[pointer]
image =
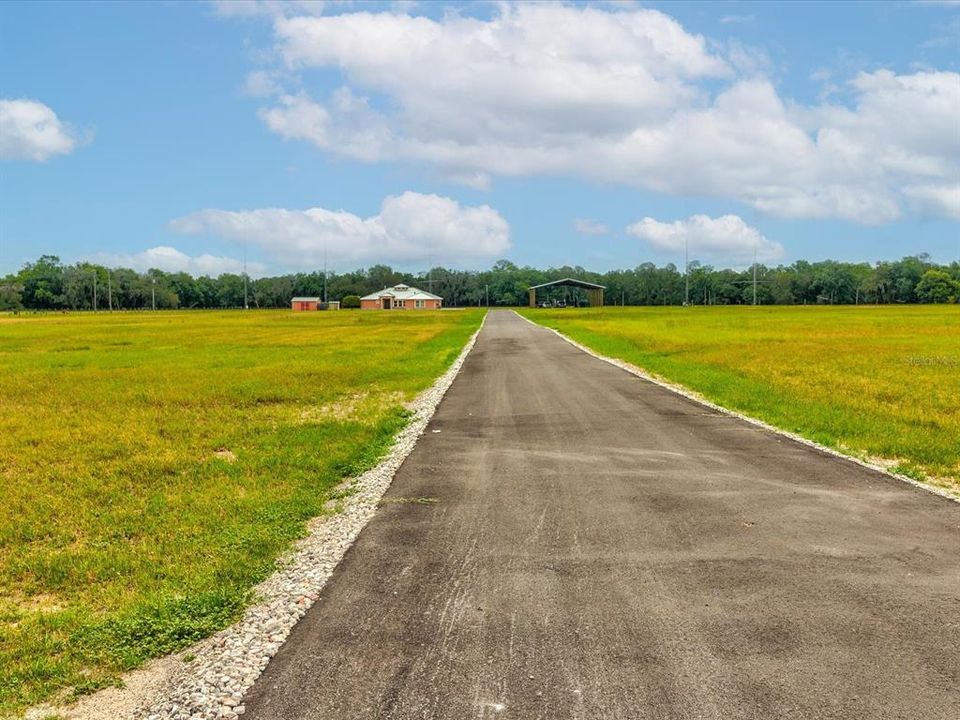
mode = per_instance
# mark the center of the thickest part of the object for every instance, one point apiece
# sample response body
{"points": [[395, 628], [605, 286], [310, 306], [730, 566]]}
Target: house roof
{"points": [[305, 299], [402, 292]]}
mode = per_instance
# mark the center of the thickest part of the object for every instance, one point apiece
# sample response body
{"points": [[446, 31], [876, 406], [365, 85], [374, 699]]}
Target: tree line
{"points": [[49, 284]]}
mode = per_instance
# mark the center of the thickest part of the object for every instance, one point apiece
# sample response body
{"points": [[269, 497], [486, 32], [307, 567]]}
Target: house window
{"points": [[399, 303], [419, 304]]}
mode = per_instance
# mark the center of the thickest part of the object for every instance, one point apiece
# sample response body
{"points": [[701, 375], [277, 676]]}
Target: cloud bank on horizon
{"points": [[411, 226], [727, 236], [169, 259]]}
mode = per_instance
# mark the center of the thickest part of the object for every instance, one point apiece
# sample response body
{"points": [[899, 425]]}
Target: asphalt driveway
{"points": [[569, 541]]}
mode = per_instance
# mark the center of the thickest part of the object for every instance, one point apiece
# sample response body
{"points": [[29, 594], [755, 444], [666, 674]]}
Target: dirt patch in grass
{"points": [[352, 408]]}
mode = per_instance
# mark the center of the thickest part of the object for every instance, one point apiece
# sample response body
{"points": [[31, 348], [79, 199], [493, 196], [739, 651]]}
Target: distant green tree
{"points": [[780, 287], [381, 276], [906, 274], [230, 290], [48, 284], [185, 286], [11, 294], [43, 283], [834, 282], [936, 286], [273, 292], [350, 301], [77, 287]]}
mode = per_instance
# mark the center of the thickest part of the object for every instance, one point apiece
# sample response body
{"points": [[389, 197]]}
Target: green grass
{"points": [[154, 465], [876, 382]]}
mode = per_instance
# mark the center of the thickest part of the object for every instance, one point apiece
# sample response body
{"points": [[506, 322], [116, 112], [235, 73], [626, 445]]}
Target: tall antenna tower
{"points": [[430, 265]]}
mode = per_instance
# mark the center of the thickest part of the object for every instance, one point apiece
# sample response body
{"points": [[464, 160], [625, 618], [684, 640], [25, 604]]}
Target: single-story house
{"points": [[401, 297]]}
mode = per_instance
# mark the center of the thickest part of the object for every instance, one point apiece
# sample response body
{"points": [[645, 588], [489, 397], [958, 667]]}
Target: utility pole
{"points": [[246, 305], [623, 298], [153, 294], [325, 270], [109, 292], [754, 274], [94, 290], [430, 268], [686, 271], [487, 290]]}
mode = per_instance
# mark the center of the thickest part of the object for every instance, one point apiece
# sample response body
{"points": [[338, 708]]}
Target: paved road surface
{"points": [[593, 546]]}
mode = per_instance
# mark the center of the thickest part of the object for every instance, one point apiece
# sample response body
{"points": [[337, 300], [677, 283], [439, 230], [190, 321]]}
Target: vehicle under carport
{"points": [[594, 291]]}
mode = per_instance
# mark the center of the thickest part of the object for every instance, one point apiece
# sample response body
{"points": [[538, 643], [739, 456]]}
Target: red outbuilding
{"points": [[298, 304]]}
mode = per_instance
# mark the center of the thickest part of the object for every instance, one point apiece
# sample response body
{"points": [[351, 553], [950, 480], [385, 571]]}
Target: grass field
{"points": [[875, 382], [153, 466]]}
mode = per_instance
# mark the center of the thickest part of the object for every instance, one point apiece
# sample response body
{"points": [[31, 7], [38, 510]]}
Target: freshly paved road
{"points": [[590, 545]]}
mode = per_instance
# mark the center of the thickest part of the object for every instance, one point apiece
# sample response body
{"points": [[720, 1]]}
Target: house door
{"points": [[386, 303]]}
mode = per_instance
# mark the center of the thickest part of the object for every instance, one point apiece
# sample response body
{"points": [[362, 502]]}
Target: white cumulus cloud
{"points": [[627, 96], [30, 130], [164, 257], [409, 227], [936, 199], [725, 237]]}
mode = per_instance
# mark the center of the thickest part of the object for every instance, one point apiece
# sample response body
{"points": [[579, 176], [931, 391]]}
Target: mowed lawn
{"points": [[154, 465], [875, 382]]}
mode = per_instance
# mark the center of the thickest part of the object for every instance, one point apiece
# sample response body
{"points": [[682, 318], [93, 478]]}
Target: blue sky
{"points": [[185, 135]]}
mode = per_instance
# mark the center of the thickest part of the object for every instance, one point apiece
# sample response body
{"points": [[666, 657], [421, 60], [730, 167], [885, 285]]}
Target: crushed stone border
{"points": [[223, 667], [226, 665], [697, 398]]}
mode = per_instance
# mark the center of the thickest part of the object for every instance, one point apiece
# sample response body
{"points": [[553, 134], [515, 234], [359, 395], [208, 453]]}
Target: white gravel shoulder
{"points": [[223, 667], [680, 390]]}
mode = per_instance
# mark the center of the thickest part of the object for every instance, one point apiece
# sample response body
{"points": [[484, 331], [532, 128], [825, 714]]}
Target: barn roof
{"points": [[305, 299], [402, 292], [572, 282]]}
